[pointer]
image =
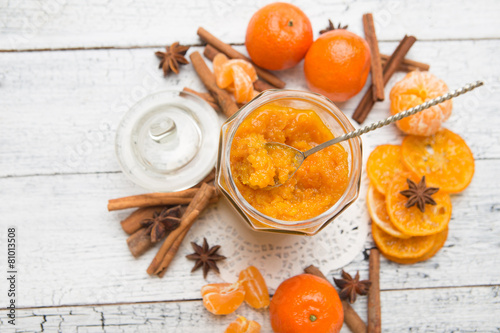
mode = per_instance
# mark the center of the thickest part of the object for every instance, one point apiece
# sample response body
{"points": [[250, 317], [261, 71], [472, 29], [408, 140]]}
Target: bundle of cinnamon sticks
{"points": [[182, 207], [383, 67]]}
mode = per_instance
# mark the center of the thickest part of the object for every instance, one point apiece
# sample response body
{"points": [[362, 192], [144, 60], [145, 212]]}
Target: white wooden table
{"points": [[69, 70]]}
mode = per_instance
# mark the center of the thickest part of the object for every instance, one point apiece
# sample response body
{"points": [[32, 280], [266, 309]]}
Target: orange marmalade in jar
{"points": [[316, 186], [322, 188]]}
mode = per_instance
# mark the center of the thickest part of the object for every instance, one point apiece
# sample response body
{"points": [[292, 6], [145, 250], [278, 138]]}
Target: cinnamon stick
{"points": [[374, 315], [133, 222], [210, 52], [167, 250], [351, 318], [407, 64], [222, 97], [206, 96], [366, 104], [233, 54], [261, 85], [153, 199], [139, 242], [376, 68]]}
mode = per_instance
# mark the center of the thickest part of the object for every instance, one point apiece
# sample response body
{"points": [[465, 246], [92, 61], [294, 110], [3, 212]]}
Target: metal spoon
{"points": [[299, 157]]}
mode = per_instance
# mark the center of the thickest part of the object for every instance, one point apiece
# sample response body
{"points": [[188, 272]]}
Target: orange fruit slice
{"points": [[409, 248], [243, 325], [222, 298], [416, 88], [378, 213], [256, 293], [412, 221], [382, 164], [444, 158], [439, 240]]}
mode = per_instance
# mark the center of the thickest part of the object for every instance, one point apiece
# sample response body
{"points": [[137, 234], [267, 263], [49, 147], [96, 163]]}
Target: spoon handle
{"points": [[468, 87]]}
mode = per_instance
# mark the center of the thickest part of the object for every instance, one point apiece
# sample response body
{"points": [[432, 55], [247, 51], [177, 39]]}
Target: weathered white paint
{"points": [[72, 251], [417, 310], [72, 24], [59, 110]]}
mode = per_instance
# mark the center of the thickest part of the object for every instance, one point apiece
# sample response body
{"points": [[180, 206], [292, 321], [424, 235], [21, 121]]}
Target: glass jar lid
{"points": [[168, 141]]}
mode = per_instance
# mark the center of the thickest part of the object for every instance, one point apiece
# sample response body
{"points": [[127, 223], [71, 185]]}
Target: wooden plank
{"points": [[72, 251], [55, 23], [421, 310], [60, 112]]}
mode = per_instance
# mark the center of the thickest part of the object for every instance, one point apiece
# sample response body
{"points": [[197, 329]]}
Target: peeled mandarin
{"points": [[414, 89]]}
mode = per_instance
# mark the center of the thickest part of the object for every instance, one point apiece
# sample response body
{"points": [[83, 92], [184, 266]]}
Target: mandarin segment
{"points": [[222, 298], [378, 213], [412, 221], [383, 163], [409, 248], [222, 72], [243, 325], [243, 88], [443, 158], [416, 88], [256, 293]]}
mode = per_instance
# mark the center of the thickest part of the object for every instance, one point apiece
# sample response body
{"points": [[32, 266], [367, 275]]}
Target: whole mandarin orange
{"points": [[278, 36], [337, 64], [306, 303]]}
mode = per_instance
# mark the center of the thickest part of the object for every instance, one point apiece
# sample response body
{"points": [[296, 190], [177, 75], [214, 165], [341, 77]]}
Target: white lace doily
{"points": [[277, 256]]}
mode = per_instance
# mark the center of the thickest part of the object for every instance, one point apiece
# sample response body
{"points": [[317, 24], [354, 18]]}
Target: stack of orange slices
{"points": [[406, 234]]}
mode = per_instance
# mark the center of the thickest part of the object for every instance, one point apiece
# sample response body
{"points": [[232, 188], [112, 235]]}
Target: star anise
{"points": [[170, 60], [331, 27], [205, 256], [419, 195], [349, 287], [162, 222]]}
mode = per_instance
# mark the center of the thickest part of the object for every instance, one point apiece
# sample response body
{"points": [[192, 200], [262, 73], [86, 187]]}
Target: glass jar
{"points": [[334, 119]]}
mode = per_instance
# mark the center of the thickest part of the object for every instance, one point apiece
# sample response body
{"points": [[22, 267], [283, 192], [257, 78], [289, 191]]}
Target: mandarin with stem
{"points": [[306, 303], [337, 64], [278, 36]]}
